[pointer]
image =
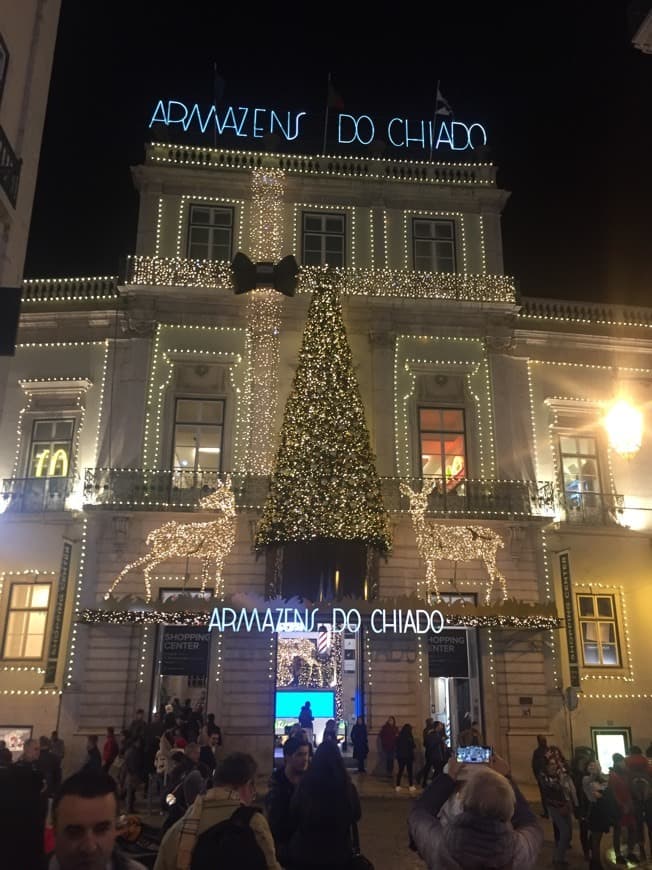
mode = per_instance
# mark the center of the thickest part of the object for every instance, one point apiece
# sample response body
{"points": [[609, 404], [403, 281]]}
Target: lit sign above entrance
{"points": [[256, 123], [279, 619]]}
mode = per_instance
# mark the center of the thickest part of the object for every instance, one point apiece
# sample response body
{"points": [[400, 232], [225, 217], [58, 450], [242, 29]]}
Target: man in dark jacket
{"points": [[93, 757], [490, 828], [435, 750], [282, 784]]}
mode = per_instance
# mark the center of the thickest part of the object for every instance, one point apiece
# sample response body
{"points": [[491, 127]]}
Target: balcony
{"points": [[181, 489], [35, 495], [593, 508], [475, 498], [9, 169]]}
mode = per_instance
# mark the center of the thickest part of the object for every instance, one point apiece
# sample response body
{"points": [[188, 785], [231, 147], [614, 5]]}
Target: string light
{"points": [[395, 170], [297, 217], [45, 290], [159, 225], [575, 312], [378, 283], [324, 483], [437, 542], [72, 646], [210, 542], [184, 212]]}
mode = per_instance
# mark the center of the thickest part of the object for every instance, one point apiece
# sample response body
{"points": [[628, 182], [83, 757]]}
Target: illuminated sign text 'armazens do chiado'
{"points": [[281, 619]]}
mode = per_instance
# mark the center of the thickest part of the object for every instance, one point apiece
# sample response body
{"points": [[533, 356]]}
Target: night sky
{"points": [[564, 96]]}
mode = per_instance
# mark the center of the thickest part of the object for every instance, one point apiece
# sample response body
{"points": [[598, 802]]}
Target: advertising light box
{"points": [[289, 703]]}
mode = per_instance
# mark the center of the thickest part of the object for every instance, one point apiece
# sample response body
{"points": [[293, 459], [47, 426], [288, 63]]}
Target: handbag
{"points": [[358, 862]]}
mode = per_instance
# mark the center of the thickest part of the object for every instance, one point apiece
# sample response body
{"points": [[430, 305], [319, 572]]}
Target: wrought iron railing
{"points": [[9, 169], [182, 489], [474, 498], [33, 495], [593, 508]]}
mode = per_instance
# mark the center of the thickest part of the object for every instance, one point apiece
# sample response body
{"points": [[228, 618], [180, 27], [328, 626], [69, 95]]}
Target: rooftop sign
{"points": [[435, 134]]}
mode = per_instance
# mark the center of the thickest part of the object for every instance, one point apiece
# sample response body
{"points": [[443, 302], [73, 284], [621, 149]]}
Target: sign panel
{"points": [[448, 653], [57, 619], [569, 616], [184, 651]]}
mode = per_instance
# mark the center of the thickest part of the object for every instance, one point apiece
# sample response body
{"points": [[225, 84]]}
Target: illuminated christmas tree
{"points": [[324, 485]]}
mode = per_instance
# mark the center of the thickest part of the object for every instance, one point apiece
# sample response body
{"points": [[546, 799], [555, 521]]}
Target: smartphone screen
{"points": [[473, 754]]}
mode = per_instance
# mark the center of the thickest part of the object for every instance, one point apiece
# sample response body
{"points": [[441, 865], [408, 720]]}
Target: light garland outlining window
{"points": [[372, 240], [438, 542], [491, 658], [81, 569], [211, 542], [385, 240], [458, 220], [35, 574], [161, 372], [55, 386], [483, 247], [299, 208], [159, 226], [184, 212], [629, 676], [474, 368]]}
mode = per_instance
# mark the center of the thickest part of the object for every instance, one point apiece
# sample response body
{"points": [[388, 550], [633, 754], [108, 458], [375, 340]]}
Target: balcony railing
{"points": [[33, 495], [474, 498], [148, 271], [9, 169], [593, 508], [181, 489]]}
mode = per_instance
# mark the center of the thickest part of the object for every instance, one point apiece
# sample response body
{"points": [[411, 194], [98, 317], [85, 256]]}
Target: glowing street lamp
{"points": [[624, 425]]}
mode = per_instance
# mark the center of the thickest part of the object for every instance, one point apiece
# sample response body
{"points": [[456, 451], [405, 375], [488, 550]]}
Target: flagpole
{"points": [[328, 93], [434, 119]]}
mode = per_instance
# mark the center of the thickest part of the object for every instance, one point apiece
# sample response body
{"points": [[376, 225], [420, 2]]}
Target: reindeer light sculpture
{"points": [[210, 542], [436, 542]]}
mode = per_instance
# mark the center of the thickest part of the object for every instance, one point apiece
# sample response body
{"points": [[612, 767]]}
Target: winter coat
{"points": [[388, 736], [360, 741], [471, 842], [277, 810], [109, 751], [322, 839], [405, 747], [436, 749]]}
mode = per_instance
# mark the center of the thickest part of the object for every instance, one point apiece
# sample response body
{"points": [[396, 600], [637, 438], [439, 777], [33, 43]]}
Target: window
{"points": [[26, 620], [434, 245], [598, 629], [442, 443], [579, 462], [323, 239], [210, 232], [50, 453], [198, 427]]}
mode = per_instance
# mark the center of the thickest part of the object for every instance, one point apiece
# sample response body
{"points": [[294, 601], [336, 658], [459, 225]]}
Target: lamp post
{"points": [[624, 425]]}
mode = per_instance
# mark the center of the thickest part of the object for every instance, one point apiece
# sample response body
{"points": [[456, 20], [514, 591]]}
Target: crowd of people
{"points": [[619, 801], [468, 816]]}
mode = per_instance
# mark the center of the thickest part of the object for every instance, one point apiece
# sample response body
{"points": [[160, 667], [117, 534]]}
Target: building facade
{"points": [[130, 400]]}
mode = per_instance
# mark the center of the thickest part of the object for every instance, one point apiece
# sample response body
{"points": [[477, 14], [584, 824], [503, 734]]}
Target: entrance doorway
{"points": [[321, 667], [182, 660], [454, 677]]}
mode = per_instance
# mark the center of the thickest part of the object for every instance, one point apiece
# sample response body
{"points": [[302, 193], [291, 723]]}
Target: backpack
{"points": [[640, 787], [229, 845]]}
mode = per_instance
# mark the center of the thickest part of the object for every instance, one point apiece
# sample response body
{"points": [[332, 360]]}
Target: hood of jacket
{"points": [[477, 843]]}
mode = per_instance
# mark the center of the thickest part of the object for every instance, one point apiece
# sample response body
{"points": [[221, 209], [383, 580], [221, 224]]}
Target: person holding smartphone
{"points": [[495, 830]]}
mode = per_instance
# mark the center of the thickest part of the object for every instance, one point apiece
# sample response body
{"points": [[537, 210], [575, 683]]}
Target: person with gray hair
{"points": [[486, 824]]}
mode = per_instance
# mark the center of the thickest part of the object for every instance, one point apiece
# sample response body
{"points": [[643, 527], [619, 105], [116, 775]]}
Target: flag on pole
{"points": [[335, 101], [442, 106]]}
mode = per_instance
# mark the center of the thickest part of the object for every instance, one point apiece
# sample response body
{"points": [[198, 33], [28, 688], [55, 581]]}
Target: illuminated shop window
{"points": [[198, 430], [599, 630], [51, 448], [210, 232], [581, 473], [434, 245], [442, 442], [26, 621], [323, 239]]}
